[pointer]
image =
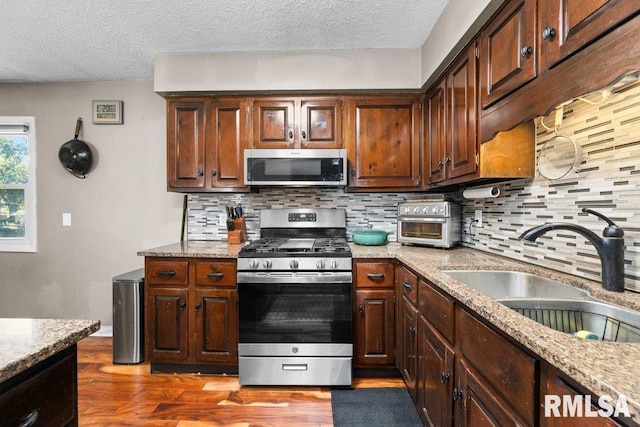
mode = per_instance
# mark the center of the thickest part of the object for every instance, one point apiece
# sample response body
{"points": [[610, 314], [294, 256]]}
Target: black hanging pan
{"points": [[75, 155]]}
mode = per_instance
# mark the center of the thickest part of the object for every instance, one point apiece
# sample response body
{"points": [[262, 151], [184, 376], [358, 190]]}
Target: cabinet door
{"points": [[507, 51], [553, 383], [504, 367], [375, 328], [476, 406], [408, 345], [185, 144], [216, 326], [167, 330], [435, 377], [321, 123], [225, 149], [435, 138], [273, 124], [462, 100], [567, 26], [384, 143]]}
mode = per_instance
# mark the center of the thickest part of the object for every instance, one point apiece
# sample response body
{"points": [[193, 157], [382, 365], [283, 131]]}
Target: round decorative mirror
{"points": [[558, 157]]}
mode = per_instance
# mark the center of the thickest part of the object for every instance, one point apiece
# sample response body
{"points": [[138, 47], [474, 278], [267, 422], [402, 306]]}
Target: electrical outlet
{"points": [[478, 218], [222, 220], [66, 219]]}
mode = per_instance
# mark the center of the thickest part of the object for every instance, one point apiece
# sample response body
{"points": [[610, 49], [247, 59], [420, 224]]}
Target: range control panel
{"points": [[302, 217]]}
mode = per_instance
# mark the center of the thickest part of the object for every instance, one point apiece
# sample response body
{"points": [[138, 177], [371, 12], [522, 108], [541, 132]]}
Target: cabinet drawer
{"points": [[216, 273], [374, 274], [44, 395], [509, 371], [437, 309], [167, 272], [408, 283]]}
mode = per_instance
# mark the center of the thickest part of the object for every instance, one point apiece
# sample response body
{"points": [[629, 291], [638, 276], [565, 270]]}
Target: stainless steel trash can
{"points": [[128, 317]]}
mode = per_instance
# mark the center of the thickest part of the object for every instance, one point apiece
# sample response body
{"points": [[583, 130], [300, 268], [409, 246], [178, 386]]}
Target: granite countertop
{"points": [[26, 342], [604, 368]]}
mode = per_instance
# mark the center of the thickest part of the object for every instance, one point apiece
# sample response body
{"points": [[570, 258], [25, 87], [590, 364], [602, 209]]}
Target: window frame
{"points": [[28, 243]]}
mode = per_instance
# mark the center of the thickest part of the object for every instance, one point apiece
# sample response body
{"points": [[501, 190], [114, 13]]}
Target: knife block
{"points": [[239, 232]]}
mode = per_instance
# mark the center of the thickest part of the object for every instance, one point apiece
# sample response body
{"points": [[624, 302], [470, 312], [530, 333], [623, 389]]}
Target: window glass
{"points": [[17, 184]]}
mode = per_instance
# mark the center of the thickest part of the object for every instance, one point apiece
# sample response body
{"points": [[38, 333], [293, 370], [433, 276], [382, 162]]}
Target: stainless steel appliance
{"points": [[326, 167], [294, 300], [128, 317], [436, 223]]}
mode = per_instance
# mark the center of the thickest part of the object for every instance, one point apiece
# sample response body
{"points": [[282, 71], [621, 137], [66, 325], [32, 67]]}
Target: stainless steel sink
{"points": [[609, 322], [515, 284]]}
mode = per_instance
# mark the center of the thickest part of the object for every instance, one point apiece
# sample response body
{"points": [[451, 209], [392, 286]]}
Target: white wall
{"points": [[317, 70], [121, 207], [458, 24]]}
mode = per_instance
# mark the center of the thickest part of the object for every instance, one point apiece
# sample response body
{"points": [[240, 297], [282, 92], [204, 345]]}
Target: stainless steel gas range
{"points": [[294, 300]]}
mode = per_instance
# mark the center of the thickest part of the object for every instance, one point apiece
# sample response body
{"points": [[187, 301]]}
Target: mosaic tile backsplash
{"points": [[207, 211], [608, 181]]}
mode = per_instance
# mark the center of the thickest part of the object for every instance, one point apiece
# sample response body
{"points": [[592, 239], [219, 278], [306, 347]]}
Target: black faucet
{"points": [[610, 247]]}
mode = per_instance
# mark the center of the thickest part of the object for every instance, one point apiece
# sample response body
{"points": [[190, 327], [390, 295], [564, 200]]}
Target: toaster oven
{"points": [[430, 223]]}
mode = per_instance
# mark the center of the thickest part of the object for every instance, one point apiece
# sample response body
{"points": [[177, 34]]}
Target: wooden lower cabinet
{"points": [[434, 380], [216, 326], [375, 328], [507, 371], [475, 403], [374, 312], [192, 320], [553, 382], [167, 324], [408, 342]]}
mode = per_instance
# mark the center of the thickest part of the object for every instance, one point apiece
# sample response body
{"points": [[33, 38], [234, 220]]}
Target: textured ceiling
{"points": [[90, 40]]}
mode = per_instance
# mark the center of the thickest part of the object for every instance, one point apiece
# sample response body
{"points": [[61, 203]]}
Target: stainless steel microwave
{"points": [[430, 223], [326, 167]]}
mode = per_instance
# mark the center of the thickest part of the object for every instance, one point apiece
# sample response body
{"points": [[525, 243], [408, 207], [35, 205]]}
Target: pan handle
{"points": [[78, 126]]}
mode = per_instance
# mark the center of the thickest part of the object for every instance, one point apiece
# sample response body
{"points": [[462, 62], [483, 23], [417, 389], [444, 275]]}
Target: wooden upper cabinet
{"points": [[566, 26], [273, 124], [205, 144], [297, 123], [508, 51], [450, 121], [186, 144], [321, 123], [225, 148], [462, 101], [435, 138], [383, 142]]}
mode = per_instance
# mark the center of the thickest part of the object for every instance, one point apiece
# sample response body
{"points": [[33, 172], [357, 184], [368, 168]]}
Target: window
{"points": [[17, 184]]}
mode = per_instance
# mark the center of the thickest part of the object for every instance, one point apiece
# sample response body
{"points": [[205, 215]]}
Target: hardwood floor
{"points": [[123, 395]]}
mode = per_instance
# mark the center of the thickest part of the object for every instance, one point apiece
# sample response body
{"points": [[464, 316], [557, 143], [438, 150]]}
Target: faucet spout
{"points": [[610, 248]]}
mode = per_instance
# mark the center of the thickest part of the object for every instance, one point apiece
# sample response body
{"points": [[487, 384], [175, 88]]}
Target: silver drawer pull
{"points": [[300, 367]]}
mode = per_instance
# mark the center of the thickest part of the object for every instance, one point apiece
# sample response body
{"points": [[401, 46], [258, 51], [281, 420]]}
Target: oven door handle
{"points": [[295, 367], [424, 219]]}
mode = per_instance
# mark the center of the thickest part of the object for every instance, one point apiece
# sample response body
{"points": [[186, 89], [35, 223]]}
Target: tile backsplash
{"points": [[608, 181], [207, 211]]}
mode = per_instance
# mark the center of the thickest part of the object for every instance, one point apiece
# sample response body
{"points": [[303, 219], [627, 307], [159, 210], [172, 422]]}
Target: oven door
{"points": [[294, 313], [438, 232]]}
